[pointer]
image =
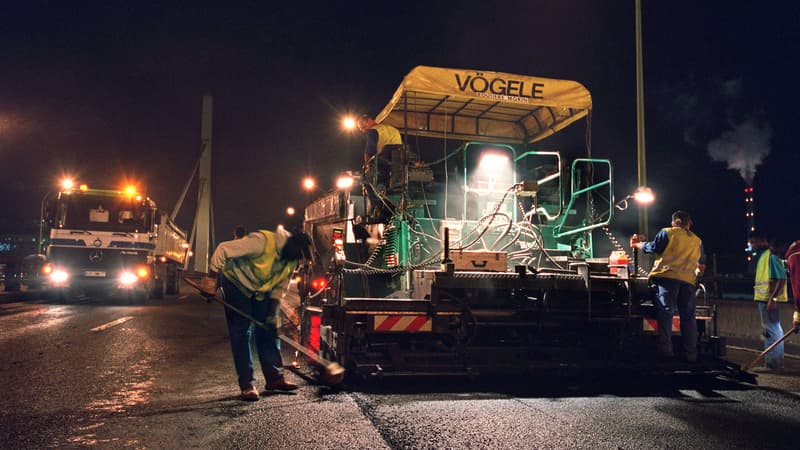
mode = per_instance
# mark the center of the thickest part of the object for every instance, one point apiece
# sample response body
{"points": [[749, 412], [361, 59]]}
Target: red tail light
{"points": [[319, 283]]}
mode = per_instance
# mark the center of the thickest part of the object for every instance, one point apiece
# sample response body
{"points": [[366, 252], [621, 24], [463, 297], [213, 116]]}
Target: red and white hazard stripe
{"points": [[402, 323], [652, 324]]}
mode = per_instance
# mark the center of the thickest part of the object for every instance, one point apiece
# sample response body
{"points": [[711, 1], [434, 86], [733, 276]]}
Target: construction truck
{"points": [[110, 240], [480, 258]]}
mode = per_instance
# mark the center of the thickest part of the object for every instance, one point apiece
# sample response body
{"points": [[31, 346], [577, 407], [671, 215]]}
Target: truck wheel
{"points": [[172, 280], [61, 294], [138, 296], [157, 287]]}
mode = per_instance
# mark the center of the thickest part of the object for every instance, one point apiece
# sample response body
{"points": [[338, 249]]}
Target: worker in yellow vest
{"points": [[381, 139], [770, 289], [252, 273], [379, 136], [679, 261]]}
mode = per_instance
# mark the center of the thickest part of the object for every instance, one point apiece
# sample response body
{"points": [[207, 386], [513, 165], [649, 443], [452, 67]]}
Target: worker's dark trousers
{"points": [[674, 294], [241, 330]]}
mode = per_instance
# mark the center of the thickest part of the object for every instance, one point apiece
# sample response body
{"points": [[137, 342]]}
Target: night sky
{"points": [[113, 90]]}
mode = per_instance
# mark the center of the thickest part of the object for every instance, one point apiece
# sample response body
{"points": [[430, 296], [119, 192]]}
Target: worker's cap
{"points": [[681, 218]]}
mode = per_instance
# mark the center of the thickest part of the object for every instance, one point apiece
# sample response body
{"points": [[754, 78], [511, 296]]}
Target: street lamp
{"points": [[290, 211], [349, 123], [309, 184], [67, 183]]}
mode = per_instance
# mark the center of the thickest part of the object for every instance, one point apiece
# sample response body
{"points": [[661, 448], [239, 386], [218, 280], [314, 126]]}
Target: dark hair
{"points": [[758, 242], [296, 247], [239, 232], [681, 218]]}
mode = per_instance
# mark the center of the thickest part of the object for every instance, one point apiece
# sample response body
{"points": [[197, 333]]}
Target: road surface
{"points": [[97, 372]]}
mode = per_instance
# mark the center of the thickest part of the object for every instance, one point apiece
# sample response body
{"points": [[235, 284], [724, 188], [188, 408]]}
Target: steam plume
{"points": [[743, 148]]}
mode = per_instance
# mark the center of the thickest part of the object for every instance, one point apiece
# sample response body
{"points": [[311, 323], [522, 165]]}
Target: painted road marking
{"points": [[113, 323]]}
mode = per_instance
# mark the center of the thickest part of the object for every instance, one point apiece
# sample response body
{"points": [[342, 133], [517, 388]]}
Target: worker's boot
{"points": [[250, 394], [280, 384]]}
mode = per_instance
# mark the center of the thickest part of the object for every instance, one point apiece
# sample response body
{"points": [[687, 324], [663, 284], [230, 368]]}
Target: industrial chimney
{"points": [[750, 215]]}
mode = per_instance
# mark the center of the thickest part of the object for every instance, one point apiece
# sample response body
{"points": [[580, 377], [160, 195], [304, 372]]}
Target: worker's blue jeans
{"points": [[241, 330], [771, 331], [675, 294]]}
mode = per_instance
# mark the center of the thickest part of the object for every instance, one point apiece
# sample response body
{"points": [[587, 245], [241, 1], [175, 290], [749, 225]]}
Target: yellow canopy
{"points": [[484, 106]]}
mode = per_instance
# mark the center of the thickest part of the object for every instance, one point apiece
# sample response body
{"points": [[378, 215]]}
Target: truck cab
{"points": [[111, 240]]}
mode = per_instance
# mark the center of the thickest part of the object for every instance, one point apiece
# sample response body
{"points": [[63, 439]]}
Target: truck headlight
{"points": [[58, 276], [127, 278]]}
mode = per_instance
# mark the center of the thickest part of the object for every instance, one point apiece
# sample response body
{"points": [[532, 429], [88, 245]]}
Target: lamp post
{"points": [[640, 141]]}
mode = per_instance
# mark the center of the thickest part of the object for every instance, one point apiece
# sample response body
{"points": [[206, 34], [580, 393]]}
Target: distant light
{"points": [[290, 211], [67, 184], [644, 195], [130, 189], [84, 187], [345, 182], [309, 183], [349, 123]]}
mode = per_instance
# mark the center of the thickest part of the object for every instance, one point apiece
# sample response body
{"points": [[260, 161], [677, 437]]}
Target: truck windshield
{"points": [[102, 213]]}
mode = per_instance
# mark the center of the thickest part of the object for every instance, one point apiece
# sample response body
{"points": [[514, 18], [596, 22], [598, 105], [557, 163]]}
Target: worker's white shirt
{"points": [[251, 245]]}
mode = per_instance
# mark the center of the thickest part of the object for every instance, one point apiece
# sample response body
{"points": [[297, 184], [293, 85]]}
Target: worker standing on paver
{"points": [[679, 261]]}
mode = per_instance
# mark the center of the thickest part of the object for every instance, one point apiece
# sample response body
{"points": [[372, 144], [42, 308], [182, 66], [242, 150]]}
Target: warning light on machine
{"points": [[319, 283]]}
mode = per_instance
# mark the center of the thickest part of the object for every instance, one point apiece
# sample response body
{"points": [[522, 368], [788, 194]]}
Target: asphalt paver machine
{"points": [[473, 253]]}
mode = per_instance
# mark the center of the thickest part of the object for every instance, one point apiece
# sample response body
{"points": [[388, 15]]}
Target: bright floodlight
{"points": [[290, 211], [493, 161], [349, 123], [67, 184], [644, 195], [345, 182], [130, 189], [309, 183]]}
